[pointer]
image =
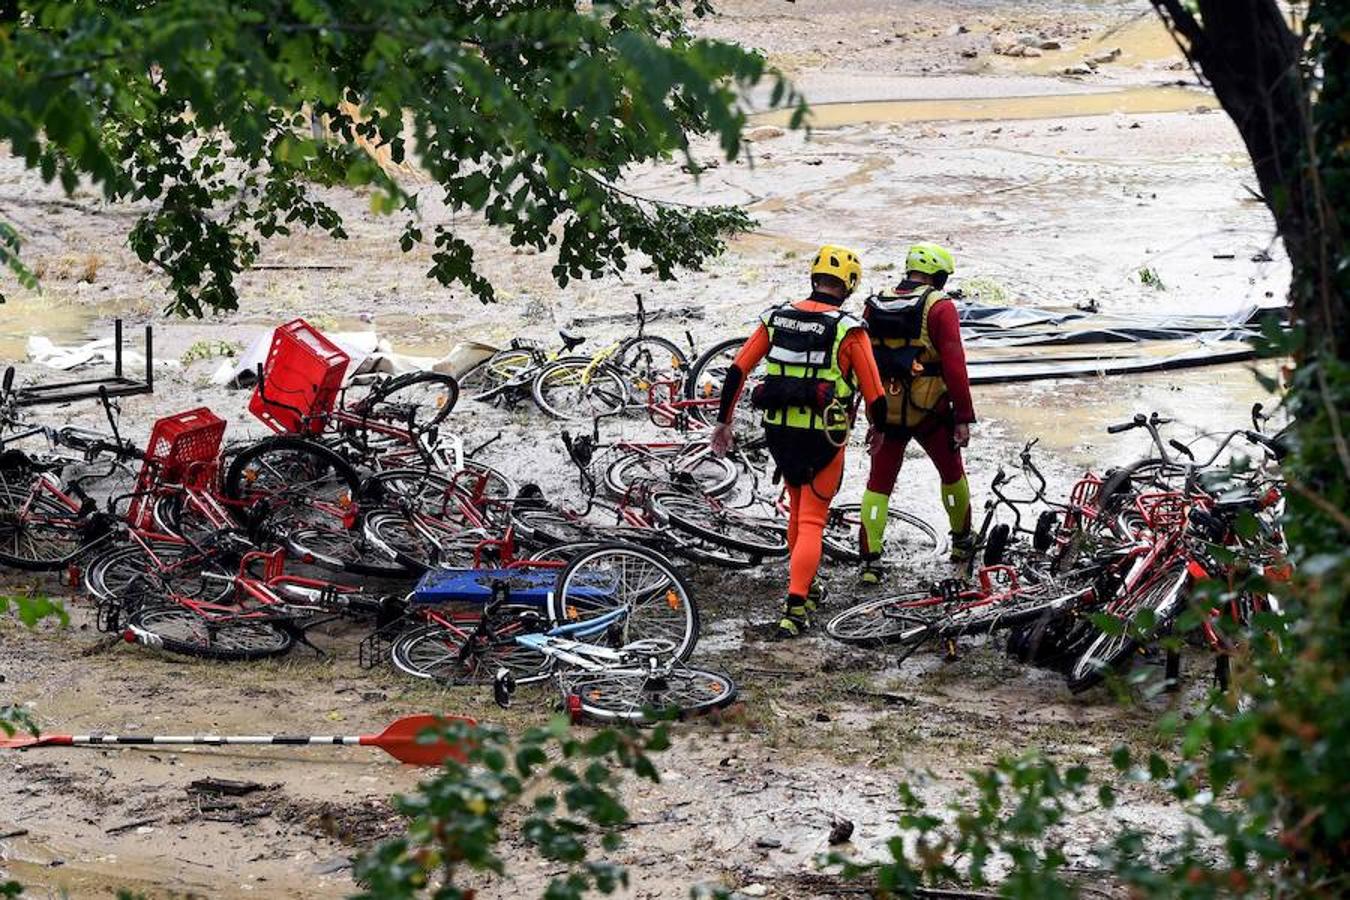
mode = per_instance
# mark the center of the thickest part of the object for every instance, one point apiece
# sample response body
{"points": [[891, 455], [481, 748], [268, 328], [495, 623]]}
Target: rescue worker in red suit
{"points": [[916, 338], [817, 361]]}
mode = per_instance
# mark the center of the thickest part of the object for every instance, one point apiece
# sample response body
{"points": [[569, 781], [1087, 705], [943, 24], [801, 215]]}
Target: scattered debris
{"points": [[224, 786], [135, 823], [763, 133], [841, 831]]}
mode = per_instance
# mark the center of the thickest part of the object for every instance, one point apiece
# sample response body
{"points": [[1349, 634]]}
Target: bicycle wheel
{"points": [[706, 377], [180, 630], [1163, 595], [907, 535], [406, 488], [419, 547], [643, 695], [658, 603], [438, 653], [298, 479], [904, 619], [410, 404], [692, 466], [547, 527], [563, 553], [728, 528], [1026, 605], [489, 378], [576, 388], [646, 360], [340, 549], [180, 568], [43, 535]]}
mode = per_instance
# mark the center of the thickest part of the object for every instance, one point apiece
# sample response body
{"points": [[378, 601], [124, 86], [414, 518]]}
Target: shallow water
{"points": [[980, 109], [20, 317]]}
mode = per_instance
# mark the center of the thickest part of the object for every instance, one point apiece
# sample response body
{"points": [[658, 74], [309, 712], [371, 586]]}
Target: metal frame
{"points": [[118, 385]]}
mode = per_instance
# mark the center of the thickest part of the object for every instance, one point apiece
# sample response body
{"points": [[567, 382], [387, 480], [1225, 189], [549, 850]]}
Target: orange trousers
{"points": [[809, 507]]}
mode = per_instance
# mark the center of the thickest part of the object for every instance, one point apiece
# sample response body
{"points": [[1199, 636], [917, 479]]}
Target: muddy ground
{"points": [[1052, 189]]}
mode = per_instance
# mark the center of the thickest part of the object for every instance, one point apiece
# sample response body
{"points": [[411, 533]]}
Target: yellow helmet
{"points": [[929, 259], [840, 262]]}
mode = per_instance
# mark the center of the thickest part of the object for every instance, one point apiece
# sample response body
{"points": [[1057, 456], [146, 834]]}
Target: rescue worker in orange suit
{"points": [[916, 339], [817, 361]]}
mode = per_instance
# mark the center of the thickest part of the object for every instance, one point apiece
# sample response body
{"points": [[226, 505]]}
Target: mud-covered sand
{"points": [[1048, 197]]}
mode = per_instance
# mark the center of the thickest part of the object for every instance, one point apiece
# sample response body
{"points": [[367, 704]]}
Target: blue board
{"points": [[529, 587]]}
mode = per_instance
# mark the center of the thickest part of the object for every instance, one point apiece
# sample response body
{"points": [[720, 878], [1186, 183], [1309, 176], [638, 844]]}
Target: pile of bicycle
{"points": [[1088, 585], [237, 550]]}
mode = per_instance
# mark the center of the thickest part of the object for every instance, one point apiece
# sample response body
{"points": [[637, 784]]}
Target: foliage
{"points": [[1260, 772], [524, 112], [1149, 277], [459, 815]]}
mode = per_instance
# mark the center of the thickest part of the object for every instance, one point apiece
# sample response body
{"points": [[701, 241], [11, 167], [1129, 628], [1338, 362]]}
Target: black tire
{"points": [[416, 401], [406, 488], [1164, 594], [48, 537], [907, 535], [646, 360], [1035, 602], [485, 381], [434, 652], [699, 471], [563, 553], [290, 474], [996, 545], [339, 549], [638, 695], [705, 380], [574, 388], [179, 567], [660, 603], [904, 619], [727, 528], [418, 548], [179, 630], [1047, 524], [544, 527]]}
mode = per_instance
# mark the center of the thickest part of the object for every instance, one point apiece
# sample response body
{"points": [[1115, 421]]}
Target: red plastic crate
{"points": [[301, 379], [183, 448]]}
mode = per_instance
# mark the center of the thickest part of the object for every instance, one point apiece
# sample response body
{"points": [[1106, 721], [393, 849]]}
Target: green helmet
{"points": [[929, 259]]}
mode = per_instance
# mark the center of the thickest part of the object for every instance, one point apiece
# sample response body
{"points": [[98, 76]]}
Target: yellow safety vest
{"points": [[910, 366], [803, 384]]}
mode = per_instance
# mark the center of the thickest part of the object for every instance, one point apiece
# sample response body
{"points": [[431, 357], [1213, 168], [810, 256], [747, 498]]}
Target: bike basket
{"points": [[183, 449], [301, 379], [1086, 492], [1162, 511]]}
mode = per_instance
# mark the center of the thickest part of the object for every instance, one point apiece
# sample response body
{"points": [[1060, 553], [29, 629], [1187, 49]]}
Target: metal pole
{"points": [[149, 359]]}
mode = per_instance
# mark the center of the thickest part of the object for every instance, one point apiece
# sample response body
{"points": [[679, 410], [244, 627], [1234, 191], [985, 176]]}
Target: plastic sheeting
{"points": [[1160, 342]]}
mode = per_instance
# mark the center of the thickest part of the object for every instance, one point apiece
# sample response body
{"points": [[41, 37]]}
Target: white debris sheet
{"points": [[103, 351], [368, 352]]}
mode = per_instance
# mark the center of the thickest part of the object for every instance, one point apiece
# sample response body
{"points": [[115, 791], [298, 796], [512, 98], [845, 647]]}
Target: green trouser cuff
{"points": [[875, 512], [956, 501]]}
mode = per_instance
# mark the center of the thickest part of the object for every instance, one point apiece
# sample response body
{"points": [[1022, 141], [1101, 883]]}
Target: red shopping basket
{"points": [[183, 449], [301, 379]]}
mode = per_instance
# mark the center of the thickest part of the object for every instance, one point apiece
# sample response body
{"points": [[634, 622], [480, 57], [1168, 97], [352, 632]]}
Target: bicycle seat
{"points": [[571, 341]]}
